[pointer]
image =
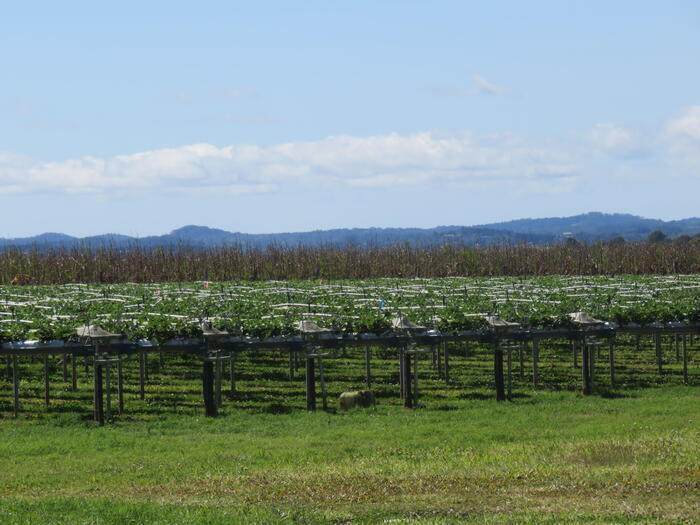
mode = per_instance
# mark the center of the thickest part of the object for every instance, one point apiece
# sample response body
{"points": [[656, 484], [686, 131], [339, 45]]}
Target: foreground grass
{"points": [[550, 457]]}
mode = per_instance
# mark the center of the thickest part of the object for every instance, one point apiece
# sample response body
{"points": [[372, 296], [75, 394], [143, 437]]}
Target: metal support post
{"points": [[498, 370], [142, 374], [310, 384], [612, 363], [120, 385], [73, 373], [408, 396], [108, 381], [510, 372], [324, 394], [659, 352], [15, 386], [46, 379], [415, 380], [447, 362], [535, 362], [218, 371], [685, 361], [368, 367], [98, 394], [585, 371], [210, 409], [232, 377]]}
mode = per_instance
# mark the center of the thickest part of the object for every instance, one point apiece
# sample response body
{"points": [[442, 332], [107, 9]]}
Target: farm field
{"points": [[274, 308], [629, 453], [338, 263]]}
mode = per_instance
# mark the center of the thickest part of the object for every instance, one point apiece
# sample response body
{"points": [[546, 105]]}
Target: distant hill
{"points": [[588, 227], [600, 226]]}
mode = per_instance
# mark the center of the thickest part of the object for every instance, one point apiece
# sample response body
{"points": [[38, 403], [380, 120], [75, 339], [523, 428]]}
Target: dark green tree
{"points": [[656, 236]]}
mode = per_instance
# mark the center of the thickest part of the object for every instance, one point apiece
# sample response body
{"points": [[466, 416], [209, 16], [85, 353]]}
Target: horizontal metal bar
{"points": [[296, 343]]}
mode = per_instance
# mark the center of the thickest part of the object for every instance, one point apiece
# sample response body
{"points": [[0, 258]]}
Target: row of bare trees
{"points": [[275, 262]]}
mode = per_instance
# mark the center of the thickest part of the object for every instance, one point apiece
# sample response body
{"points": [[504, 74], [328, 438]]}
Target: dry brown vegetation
{"points": [[22, 280], [275, 262]]}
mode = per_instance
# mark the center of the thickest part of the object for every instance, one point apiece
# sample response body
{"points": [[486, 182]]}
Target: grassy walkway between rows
{"points": [[552, 457]]}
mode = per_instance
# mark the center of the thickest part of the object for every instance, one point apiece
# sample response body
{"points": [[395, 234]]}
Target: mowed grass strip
{"points": [[552, 457]]}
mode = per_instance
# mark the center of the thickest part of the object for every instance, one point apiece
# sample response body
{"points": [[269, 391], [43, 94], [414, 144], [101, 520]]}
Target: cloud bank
{"points": [[427, 159], [377, 161]]}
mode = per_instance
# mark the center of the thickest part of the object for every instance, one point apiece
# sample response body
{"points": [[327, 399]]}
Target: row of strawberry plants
{"points": [[265, 309]]}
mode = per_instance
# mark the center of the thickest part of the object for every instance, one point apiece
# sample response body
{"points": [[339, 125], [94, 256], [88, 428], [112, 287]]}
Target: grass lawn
{"points": [[551, 457]]}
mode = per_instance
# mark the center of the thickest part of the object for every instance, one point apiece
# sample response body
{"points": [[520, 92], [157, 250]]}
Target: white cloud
{"points": [[670, 151], [686, 125], [480, 86], [682, 136], [485, 87], [427, 158], [677, 142], [616, 140]]}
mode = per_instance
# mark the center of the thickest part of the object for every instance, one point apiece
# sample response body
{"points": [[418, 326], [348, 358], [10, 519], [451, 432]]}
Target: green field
{"points": [[162, 311], [630, 453], [545, 457]]}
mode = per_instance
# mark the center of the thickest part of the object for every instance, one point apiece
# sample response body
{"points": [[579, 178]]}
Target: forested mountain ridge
{"points": [[588, 227]]}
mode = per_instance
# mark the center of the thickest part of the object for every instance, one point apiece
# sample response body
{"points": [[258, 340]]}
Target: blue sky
{"points": [[140, 117]]}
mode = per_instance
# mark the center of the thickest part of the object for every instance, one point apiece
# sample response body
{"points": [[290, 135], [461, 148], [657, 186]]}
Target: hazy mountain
{"points": [[599, 226], [44, 238], [588, 227]]}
